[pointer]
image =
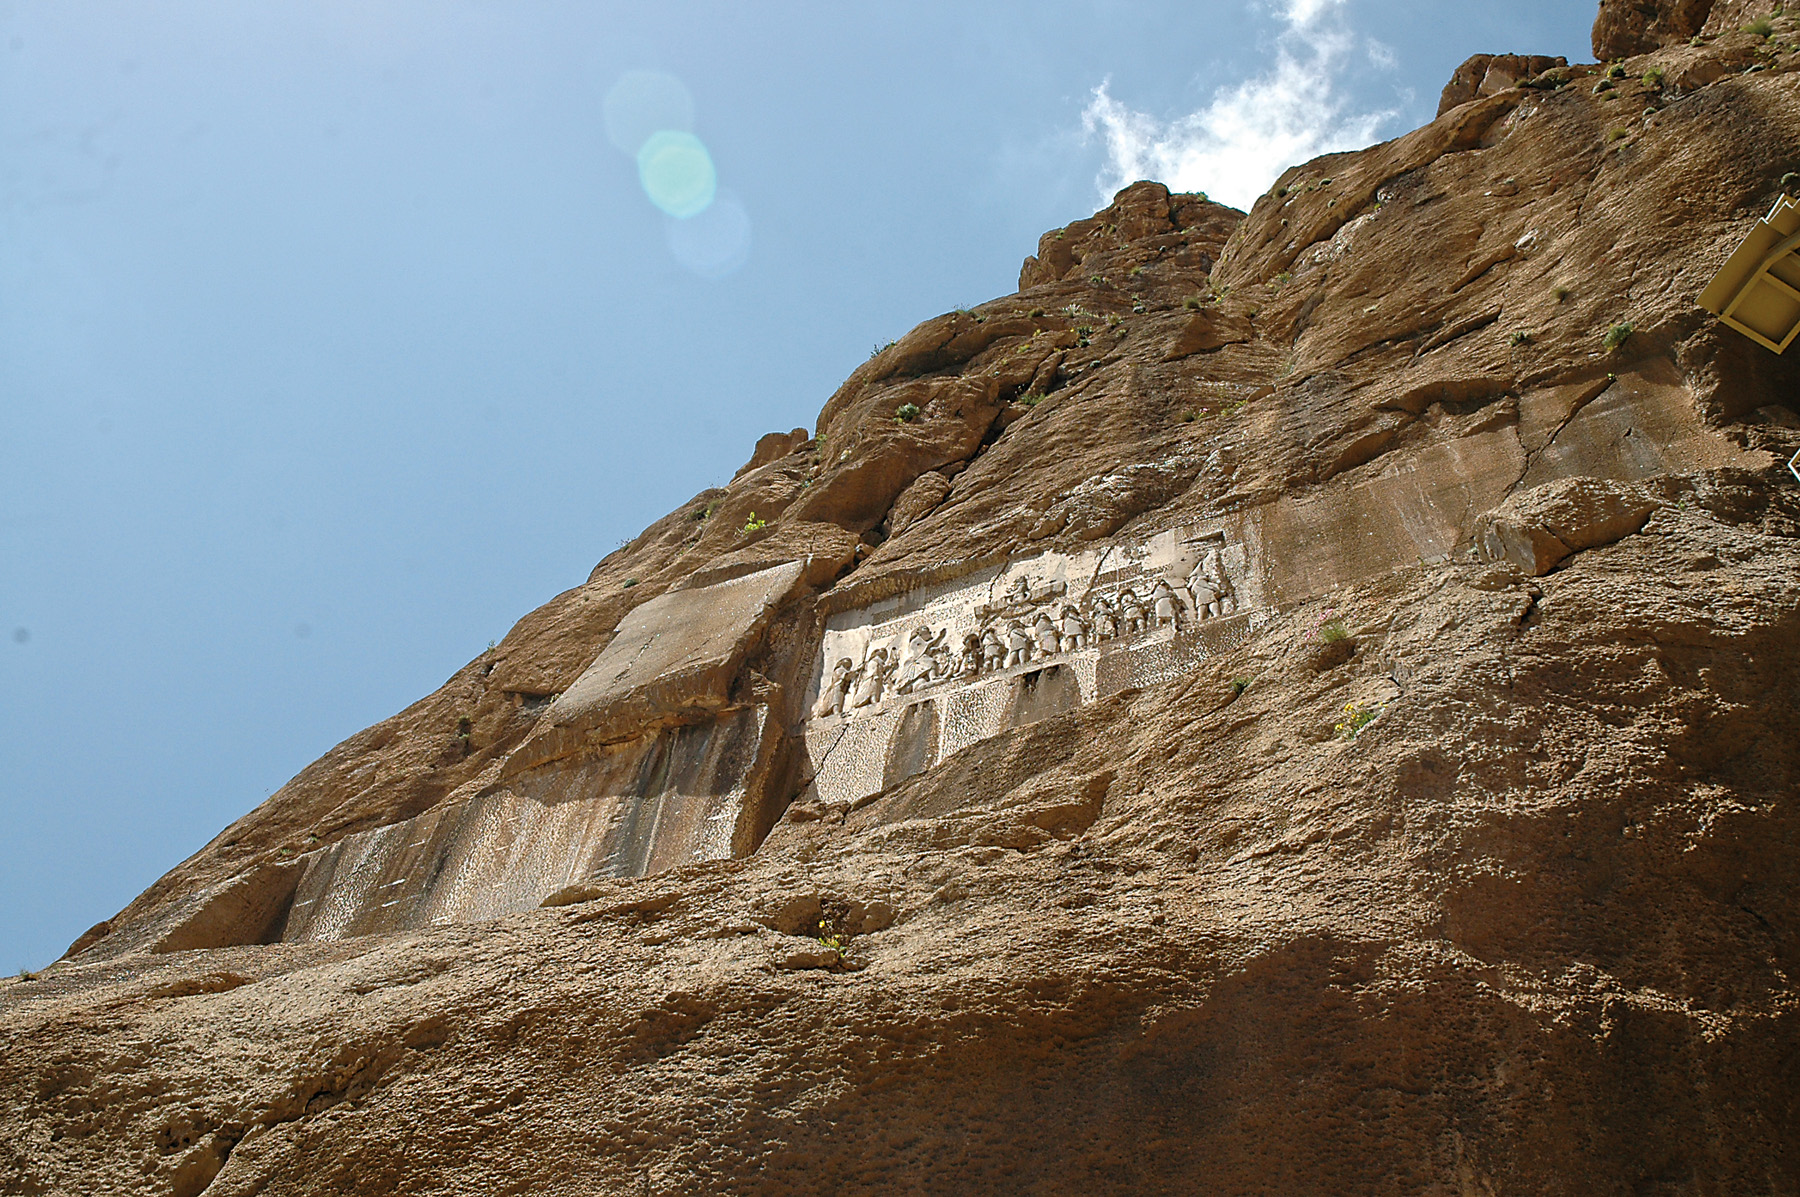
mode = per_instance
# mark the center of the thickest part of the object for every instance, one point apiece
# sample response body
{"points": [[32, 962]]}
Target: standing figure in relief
{"points": [[1074, 630], [1106, 619], [1211, 587], [1163, 599], [1018, 645], [1131, 608], [993, 653], [970, 664], [835, 690], [920, 661], [874, 673], [1048, 639]]}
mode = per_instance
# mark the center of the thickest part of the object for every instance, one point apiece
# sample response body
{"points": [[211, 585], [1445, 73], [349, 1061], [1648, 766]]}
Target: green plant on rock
{"points": [[1191, 303], [1561, 293], [1239, 685], [1356, 717], [906, 413], [1031, 399], [880, 349], [755, 525], [1761, 27], [1521, 336], [1333, 631], [1617, 335], [1616, 71], [1654, 78], [630, 582], [1618, 135]]}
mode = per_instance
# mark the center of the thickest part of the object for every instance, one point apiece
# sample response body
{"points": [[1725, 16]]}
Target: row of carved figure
{"points": [[929, 659]]}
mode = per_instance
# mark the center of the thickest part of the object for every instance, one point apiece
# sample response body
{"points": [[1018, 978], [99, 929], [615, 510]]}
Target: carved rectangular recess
{"points": [[627, 810], [902, 683]]}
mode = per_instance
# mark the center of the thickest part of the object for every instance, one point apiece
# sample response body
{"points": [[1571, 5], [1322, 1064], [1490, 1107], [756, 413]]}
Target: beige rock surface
{"points": [[1469, 868]]}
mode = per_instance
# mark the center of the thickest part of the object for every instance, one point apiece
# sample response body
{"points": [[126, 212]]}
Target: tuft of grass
{"points": [[26, 974], [1761, 27], [1616, 71], [1618, 135], [630, 582], [878, 350], [1522, 336], [906, 413], [1239, 685], [1333, 631], [1561, 293], [1037, 313], [1098, 280], [1192, 303], [1188, 417], [1654, 78], [1617, 335], [1031, 399]]}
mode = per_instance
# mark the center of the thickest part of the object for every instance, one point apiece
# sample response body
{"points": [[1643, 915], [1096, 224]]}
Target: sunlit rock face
{"points": [[1297, 700]]}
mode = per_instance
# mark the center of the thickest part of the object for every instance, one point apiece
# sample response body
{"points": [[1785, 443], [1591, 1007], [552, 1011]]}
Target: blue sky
{"points": [[336, 336]]}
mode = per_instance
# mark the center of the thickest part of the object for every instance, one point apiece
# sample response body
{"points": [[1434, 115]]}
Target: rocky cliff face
{"points": [[1291, 701]]}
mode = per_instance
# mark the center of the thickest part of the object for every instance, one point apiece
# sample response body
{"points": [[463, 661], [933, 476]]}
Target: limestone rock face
{"points": [[1626, 28], [1287, 701]]}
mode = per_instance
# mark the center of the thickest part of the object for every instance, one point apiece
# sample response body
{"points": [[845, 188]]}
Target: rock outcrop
{"points": [[1292, 701]]}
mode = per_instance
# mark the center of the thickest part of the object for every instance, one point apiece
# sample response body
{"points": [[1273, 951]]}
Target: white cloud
{"points": [[1236, 147]]}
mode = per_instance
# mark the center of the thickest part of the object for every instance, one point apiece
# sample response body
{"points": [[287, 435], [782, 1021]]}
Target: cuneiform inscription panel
{"points": [[903, 683]]}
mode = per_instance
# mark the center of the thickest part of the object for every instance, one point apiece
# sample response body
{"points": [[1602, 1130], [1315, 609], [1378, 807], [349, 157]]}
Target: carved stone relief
{"points": [[1016, 643]]}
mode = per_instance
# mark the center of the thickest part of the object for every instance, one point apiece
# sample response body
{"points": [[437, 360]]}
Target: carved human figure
{"points": [[993, 652], [1074, 630], [1019, 591], [1211, 587], [1132, 612], [1049, 640], [969, 664], [836, 689], [1163, 599], [874, 674], [1018, 645], [1106, 619], [920, 662]]}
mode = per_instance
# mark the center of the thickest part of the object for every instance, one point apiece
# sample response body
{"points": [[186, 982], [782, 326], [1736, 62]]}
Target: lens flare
{"points": [[677, 173], [714, 243], [641, 103]]}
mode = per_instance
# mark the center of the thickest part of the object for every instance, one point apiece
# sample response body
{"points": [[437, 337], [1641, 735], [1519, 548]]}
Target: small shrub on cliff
{"points": [[1239, 685], [755, 525], [1761, 27], [878, 350], [1616, 71], [1654, 78], [630, 582], [1617, 335], [906, 413], [1356, 717], [1618, 135], [1191, 303], [1521, 337], [1031, 399], [1333, 631]]}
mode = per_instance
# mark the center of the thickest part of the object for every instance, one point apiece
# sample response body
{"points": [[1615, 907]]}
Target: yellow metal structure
{"points": [[1758, 290]]}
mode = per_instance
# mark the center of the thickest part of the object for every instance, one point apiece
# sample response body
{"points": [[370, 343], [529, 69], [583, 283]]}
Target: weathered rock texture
{"points": [[1469, 867]]}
